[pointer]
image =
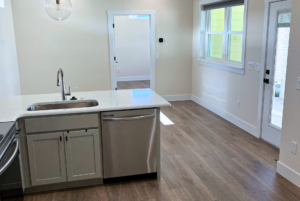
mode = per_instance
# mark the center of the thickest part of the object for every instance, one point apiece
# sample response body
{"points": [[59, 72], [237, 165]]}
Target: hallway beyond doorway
{"points": [[134, 85]]}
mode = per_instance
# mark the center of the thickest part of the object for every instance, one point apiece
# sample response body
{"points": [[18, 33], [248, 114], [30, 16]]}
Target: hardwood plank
{"points": [[159, 190], [189, 179], [217, 187], [182, 194], [133, 84]]}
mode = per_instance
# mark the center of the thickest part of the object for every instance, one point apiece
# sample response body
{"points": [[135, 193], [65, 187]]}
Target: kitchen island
{"points": [[63, 148]]}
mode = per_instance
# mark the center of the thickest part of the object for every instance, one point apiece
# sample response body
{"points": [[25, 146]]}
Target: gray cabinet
{"points": [[83, 155], [64, 156], [46, 158]]}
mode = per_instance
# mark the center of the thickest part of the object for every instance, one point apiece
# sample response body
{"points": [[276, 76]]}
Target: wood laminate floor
{"points": [[134, 85], [203, 157]]}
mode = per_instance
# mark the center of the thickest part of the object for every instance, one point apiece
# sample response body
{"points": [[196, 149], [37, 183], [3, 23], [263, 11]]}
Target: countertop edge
{"points": [[15, 107], [85, 110]]}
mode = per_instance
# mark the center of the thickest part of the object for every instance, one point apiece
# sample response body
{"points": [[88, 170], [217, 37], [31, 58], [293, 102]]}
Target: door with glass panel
{"points": [[277, 54]]}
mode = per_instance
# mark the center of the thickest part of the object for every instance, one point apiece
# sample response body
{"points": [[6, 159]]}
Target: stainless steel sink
{"points": [[62, 105]]}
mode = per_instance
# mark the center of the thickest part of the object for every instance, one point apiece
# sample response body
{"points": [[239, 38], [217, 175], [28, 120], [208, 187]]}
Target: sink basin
{"points": [[62, 105]]}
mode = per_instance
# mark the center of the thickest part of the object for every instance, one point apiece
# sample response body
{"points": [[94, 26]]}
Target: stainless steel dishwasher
{"points": [[129, 142]]}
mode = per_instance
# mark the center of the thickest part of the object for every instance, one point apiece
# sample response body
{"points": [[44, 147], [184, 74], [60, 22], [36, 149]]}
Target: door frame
{"points": [[264, 64], [111, 33]]}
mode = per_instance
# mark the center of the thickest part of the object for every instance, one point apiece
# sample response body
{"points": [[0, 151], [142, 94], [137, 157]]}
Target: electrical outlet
{"points": [[238, 103], [118, 70], [76, 89], [157, 56], [294, 147], [257, 66], [298, 83], [251, 65], [2, 42]]}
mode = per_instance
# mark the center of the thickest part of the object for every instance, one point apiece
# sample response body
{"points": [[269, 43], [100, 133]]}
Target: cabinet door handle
{"points": [[67, 138], [60, 138]]}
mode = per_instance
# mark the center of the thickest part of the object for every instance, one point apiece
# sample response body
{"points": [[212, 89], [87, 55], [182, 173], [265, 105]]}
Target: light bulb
{"points": [[58, 9]]}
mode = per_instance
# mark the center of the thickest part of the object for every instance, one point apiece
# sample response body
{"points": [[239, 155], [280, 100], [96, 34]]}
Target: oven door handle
{"points": [[2, 169]]}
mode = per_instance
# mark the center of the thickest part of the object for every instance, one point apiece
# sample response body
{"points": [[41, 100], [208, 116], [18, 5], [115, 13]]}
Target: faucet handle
{"points": [[69, 93]]}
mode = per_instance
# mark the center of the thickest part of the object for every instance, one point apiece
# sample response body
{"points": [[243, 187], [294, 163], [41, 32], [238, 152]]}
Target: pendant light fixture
{"points": [[58, 9]]}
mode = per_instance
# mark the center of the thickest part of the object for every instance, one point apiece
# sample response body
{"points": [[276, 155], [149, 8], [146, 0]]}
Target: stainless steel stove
{"points": [[10, 177], [7, 140]]}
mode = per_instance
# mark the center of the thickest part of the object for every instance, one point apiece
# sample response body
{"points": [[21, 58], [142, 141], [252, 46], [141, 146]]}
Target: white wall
{"points": [[221, 89], [132, 42], [291, 113], [9, 73], [80, 45]]}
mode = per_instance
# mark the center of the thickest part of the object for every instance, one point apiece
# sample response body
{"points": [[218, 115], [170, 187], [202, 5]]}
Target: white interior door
{"points": [[278, 42]]}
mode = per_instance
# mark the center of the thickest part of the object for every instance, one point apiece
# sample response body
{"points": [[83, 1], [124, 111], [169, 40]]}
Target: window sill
{"points": [[226, 67]]}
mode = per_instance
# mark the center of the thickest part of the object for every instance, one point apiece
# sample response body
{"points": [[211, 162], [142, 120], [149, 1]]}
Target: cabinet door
{"points": [[83, 155], [46, 158]]}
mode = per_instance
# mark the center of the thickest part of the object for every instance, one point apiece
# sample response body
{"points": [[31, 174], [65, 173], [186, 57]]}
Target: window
{"points": [[1, 3], [222, 37]]}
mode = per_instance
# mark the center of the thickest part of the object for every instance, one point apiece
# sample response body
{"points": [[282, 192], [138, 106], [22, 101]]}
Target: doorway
{"points": [[132, 49], [275, 75]]}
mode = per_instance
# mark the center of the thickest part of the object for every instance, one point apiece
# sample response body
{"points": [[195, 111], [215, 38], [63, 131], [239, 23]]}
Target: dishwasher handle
{"points": [[129, 118]]}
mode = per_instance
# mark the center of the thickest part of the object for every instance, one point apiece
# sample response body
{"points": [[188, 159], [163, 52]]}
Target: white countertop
{"points": [[14, 107]]}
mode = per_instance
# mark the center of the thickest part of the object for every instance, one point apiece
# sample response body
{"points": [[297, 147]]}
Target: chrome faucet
{"points": [[60, 82]]}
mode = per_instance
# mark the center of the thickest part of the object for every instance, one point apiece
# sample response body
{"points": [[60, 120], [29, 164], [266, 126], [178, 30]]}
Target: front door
{"points": [[275, 75]]}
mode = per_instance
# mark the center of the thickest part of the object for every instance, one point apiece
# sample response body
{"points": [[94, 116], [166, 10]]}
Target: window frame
{"points": [[224, 63]]}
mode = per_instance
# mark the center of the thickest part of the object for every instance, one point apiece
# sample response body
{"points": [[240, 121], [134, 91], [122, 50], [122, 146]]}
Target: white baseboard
{"points": [[288, 173], [229, 117], [136, 78], [178, 97]]}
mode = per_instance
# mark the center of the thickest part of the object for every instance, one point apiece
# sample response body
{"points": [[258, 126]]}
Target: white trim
{"points": [[227, 116], [132, 12], [202, 58], [136, 78], [111, 33], [177, 97], [288, 173], [263, 62], [245, 33]]}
